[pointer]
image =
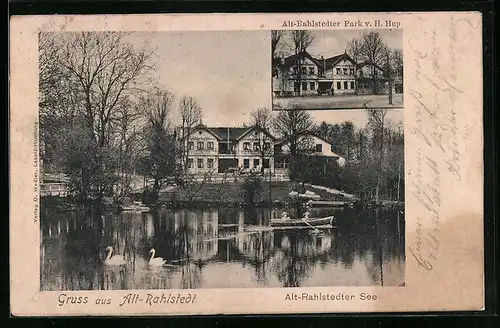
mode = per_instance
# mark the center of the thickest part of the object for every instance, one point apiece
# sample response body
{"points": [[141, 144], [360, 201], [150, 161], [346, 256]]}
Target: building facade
{"points": [[372, 79], [211, 150], [215, 151], [313, 145], [303, 75]]}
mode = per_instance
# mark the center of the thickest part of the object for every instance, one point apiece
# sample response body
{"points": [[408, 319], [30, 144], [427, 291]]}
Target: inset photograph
{"points": [[347, 69]]}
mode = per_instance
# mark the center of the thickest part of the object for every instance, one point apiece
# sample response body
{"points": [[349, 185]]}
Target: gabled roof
{"points": [[310, 133], [291, 60], [258, 128], [313, 134], [320, 62], [363, 64], [333, 61], [197, 128], [320, 137], [225, 133]]}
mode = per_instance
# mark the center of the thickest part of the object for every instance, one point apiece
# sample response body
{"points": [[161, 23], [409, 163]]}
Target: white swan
{"points": [[113, 260], [156, 261]]}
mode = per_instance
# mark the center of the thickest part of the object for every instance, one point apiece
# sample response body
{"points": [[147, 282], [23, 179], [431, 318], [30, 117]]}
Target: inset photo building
{"points": [[337, 69]]}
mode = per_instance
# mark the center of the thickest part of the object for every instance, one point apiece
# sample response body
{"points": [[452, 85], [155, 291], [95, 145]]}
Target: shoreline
{"points": [[63, 204]]}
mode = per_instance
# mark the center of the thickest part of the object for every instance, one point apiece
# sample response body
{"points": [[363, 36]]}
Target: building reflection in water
{"points": [[216, 248]]}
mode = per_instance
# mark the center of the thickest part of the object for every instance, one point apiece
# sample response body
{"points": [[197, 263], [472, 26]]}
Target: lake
{"points": [[220, 248]]}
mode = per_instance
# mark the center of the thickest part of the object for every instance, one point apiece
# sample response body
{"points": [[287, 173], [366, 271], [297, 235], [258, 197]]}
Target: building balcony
{"points": [[227, 152]]}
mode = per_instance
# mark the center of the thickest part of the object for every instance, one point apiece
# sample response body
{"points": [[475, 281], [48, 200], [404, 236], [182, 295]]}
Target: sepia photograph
{"points": [[337, 69], [182, 164], [164, 165]]}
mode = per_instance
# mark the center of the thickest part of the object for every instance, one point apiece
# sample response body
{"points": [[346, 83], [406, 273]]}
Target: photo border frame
{"points": [[490, 159]]}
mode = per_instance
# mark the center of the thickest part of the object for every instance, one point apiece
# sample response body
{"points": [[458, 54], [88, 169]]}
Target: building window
{"points": [[311, 70], [279, 163], [339, 86], [246, 146], [352, 71], [361, 73], [210, 163], [352, 85], [256, 162], [345, 85], [338, 70], [296, 86], [267, 146], [200, 163], [210, 145], [312, 86], [246, 163], [304, 85], [255, 146], [319, 148], [200, 145], [265, 163], [190, 145], [190, 163], [344, 70], [303, 70]]}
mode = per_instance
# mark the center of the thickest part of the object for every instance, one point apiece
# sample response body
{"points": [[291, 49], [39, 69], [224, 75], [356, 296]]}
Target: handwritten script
{"points": [[436, 95]]}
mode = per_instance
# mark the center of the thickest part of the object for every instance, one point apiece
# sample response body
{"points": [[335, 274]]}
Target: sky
{"points": [[330, 43], [229, 72]]}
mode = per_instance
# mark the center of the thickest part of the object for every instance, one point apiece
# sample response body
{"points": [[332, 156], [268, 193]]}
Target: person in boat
{"points": [[306, 216], [300, 208]]}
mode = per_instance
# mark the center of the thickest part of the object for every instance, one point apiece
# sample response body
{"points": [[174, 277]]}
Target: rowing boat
{"points": [[327, 203], [326, 221], [134, 207]]}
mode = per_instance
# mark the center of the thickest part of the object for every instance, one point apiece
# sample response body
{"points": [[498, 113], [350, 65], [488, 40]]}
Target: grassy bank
{"points": [[233, 194]]}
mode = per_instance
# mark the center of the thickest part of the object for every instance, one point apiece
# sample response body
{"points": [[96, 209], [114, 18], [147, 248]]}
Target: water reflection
{"points": [[219, 248]]}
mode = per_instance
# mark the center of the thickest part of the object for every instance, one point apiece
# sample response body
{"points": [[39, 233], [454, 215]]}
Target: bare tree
{"points": [[374, 52], [102, 73], [59, 101], [190, 114], [397, 62], [389, 69], [160, 157], [376, 119], [354, 49], [129, 144], [262, 117], [276, 38], [302, 39], [292, 126], [107, 70]]}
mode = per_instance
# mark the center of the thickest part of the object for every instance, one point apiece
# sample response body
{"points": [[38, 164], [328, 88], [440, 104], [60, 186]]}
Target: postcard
{"points": [[193, 164]]}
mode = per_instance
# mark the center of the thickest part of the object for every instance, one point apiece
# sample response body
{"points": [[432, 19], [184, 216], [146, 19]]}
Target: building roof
{"points": [[363, 64], [320, 62], [224, 133], [227, 133], [333, 61], [291, 60], [313, 134]]}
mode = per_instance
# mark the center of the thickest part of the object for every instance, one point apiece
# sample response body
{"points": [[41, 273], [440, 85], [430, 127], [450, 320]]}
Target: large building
{"points": [[227, 149], [220, 150], [303, 75]]}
